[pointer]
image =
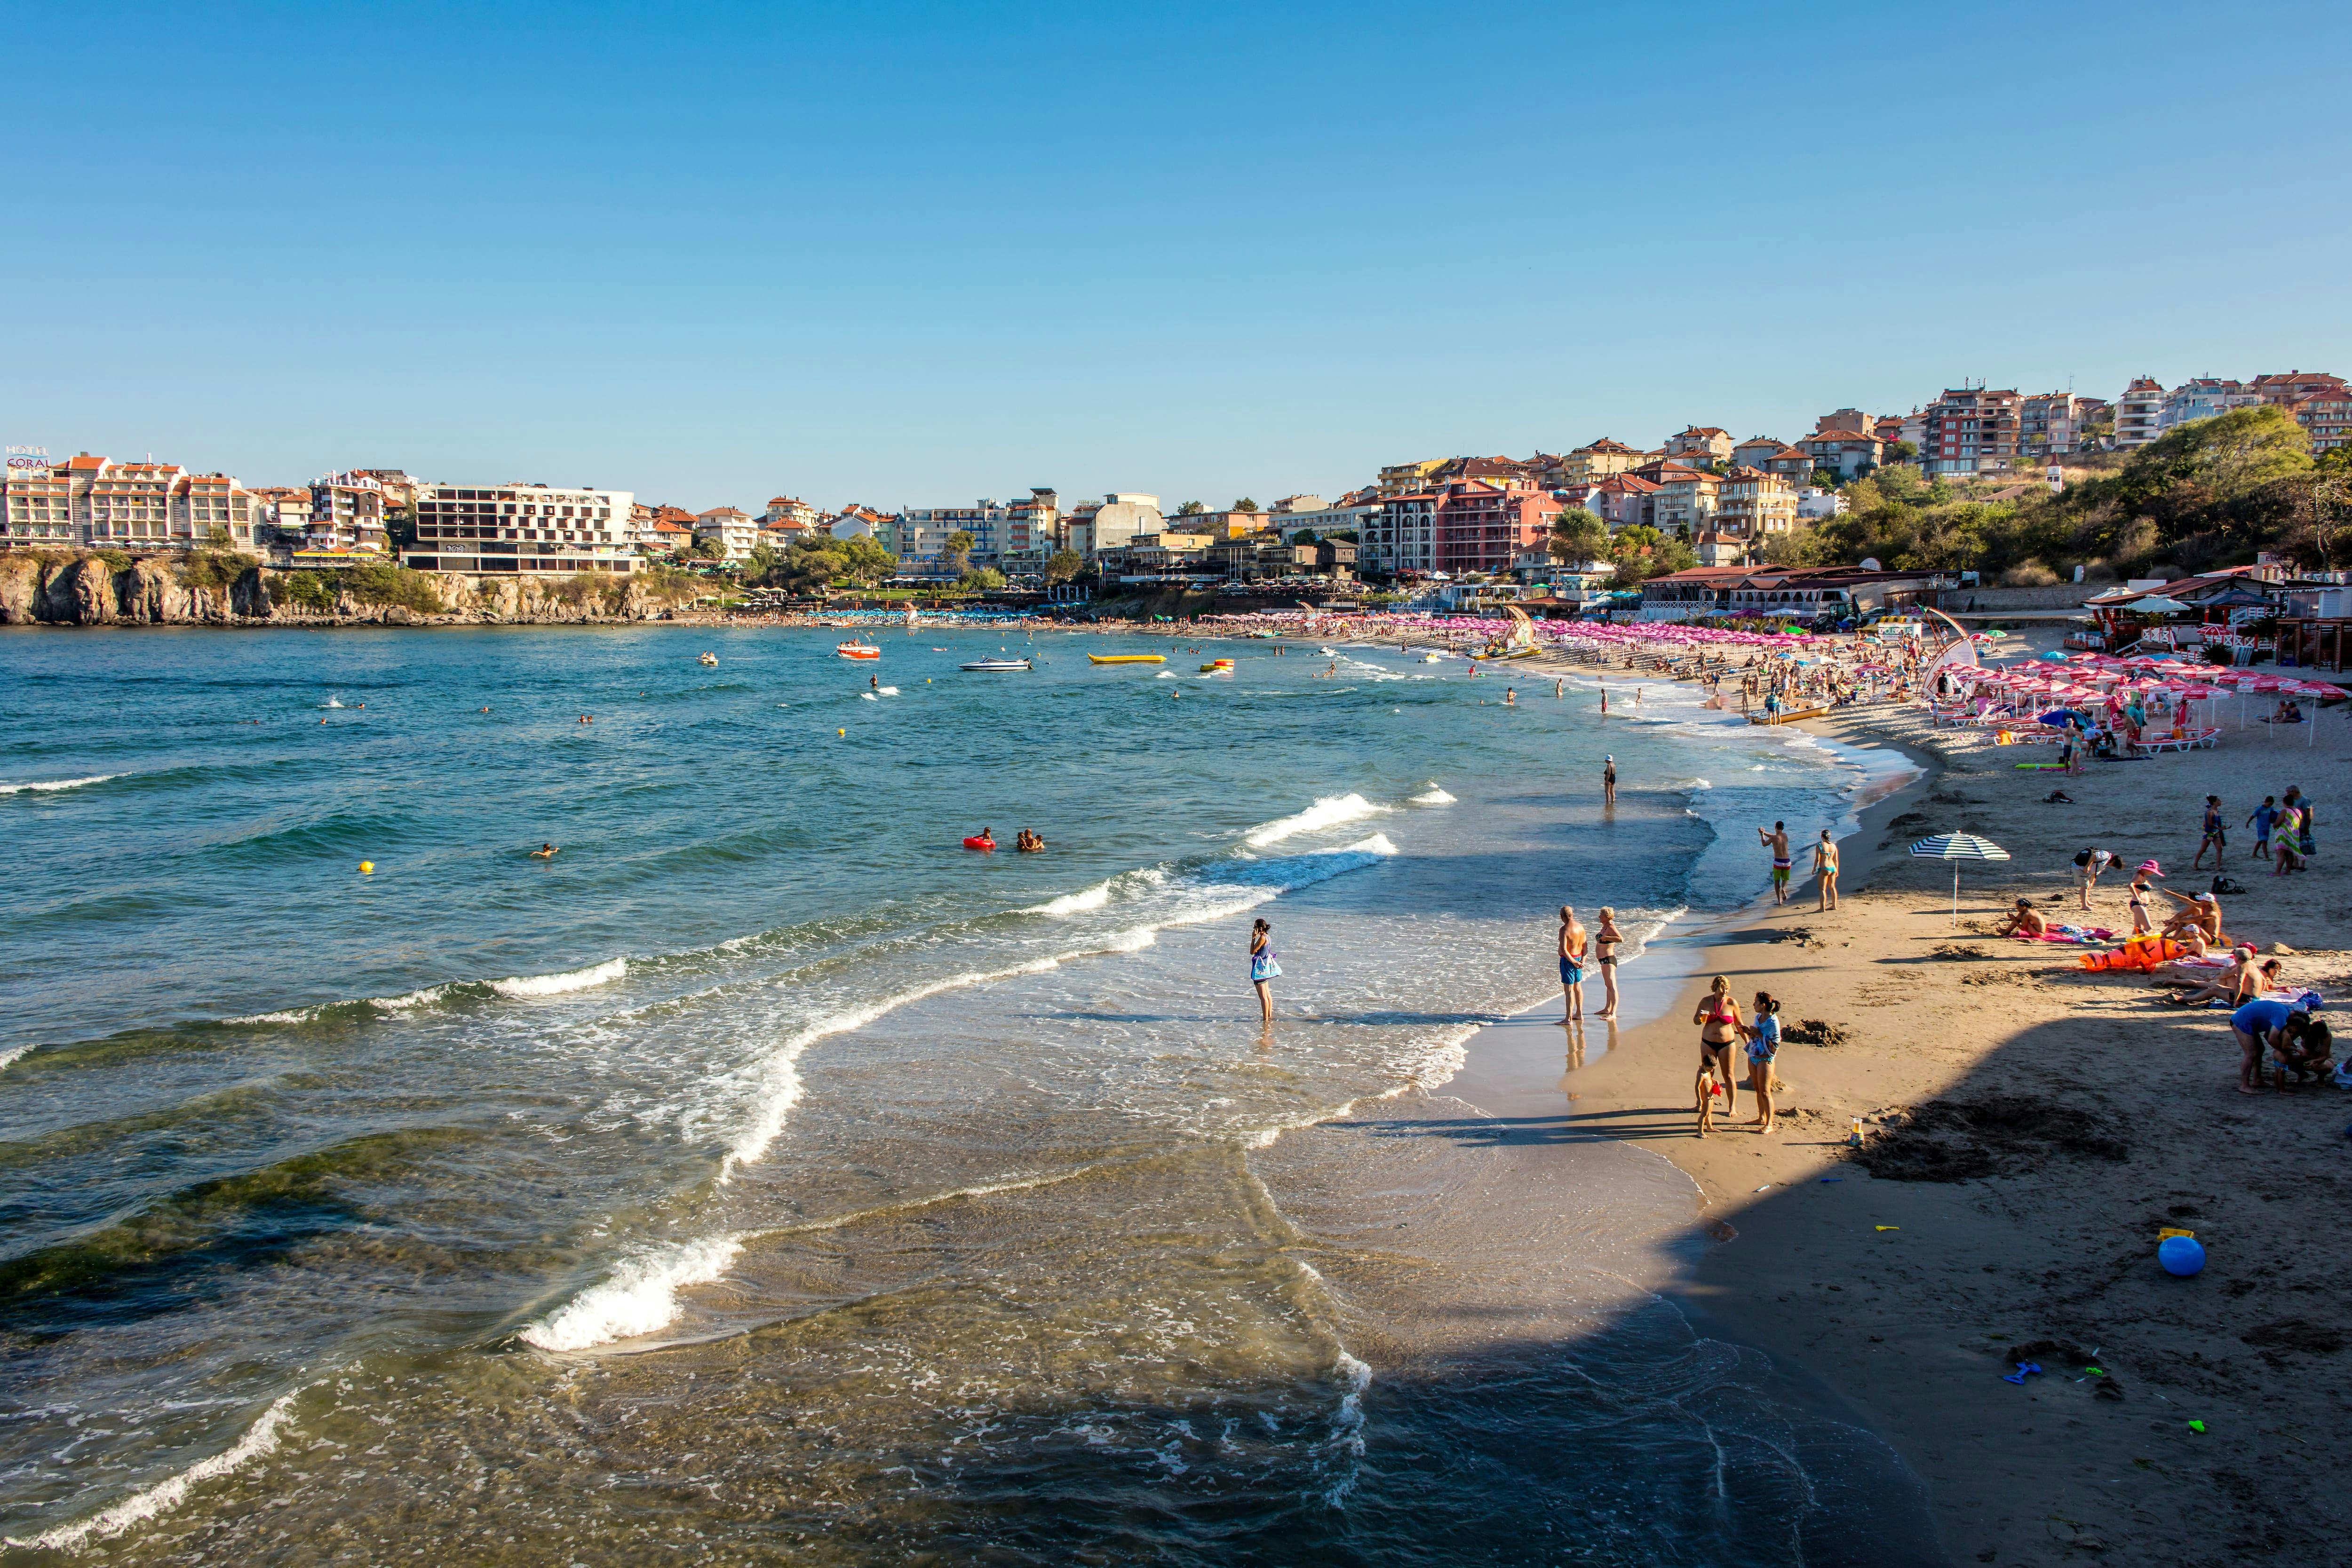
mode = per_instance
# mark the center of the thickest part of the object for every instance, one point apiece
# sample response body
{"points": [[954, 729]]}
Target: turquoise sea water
{"points": [[766, 1177]]}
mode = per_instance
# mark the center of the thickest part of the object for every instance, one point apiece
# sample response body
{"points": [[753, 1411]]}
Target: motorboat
{"points": [[1217, 667], [854, 649], [996, 666], [1127, 658], [707, 659]]}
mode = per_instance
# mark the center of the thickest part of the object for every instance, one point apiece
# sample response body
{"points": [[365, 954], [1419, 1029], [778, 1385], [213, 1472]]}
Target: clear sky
{"points": [[910, 254]]}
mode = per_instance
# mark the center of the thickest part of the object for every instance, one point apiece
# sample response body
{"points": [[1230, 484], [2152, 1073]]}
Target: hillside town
{"points": [[1700, 523]]}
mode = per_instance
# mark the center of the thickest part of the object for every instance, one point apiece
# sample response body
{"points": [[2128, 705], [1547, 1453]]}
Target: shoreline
{"points": [[1895, 1301]]}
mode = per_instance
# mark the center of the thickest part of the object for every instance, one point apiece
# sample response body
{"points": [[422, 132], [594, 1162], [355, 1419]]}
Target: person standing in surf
{"points": [[1263, 969], [1777, 840], [1608, 777], [1571, 967]]}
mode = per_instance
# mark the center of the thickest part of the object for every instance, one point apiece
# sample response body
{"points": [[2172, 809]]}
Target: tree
{"points": [[1903, 452], [1577, 537], [1304, 536], [811, 565], [1064, 565], [1244, 505], [986, 577], [1191, 509], [1643, 552], [959, 552], [761, 566]]}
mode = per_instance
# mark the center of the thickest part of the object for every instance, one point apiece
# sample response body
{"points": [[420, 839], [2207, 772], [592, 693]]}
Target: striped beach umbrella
{"points": [[1956, 848]]}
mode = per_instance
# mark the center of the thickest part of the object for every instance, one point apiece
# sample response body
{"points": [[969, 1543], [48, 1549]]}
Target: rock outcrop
{"points": [[57, 590]]}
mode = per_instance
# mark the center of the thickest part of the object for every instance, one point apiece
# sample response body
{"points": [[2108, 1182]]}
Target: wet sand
{"points": [[2069, 1117]]}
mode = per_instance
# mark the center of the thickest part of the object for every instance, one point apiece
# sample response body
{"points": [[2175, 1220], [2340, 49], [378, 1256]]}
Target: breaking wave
{"points": [[639, 1297], [259, 1439], [1330, 811], [45, 785]]}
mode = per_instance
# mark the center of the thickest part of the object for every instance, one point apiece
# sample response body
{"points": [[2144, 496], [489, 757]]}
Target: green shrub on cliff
{"points": [[213, 568], [320, 592]]}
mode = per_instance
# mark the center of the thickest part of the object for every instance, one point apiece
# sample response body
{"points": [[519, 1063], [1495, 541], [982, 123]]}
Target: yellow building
{"points": [[1404, 478]]}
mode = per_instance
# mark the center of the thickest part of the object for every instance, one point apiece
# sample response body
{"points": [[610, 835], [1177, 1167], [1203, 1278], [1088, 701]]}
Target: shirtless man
{"points": [[544, 852], [1605, 943], [1571, 966], [1825, 867], [1777, 840]]}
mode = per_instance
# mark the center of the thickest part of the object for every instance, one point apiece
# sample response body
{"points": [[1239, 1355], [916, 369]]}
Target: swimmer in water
{"points": [[544, 852], [1510, 696], [585, 719]]}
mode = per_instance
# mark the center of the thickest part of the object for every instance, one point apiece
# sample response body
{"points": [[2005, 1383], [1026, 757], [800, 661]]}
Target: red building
{"points": [[1484, 528]]}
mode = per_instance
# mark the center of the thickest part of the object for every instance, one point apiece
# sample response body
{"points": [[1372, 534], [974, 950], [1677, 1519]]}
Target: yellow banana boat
{"points": [[1127, 658]]}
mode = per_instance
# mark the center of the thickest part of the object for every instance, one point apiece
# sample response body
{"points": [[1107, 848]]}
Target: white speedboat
{"points": [[996, 666]]}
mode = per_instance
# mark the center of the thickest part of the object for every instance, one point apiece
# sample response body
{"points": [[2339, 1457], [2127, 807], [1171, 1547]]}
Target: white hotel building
{"points": [[99, 503], [492, 531]]}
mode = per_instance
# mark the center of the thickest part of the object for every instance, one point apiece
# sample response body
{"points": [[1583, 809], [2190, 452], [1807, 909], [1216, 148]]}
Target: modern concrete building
{"points": [[1751, 504], [1968, 429], [735, 532], [1848, 454], [2202, 398], [496, 531], [2137, 412]]}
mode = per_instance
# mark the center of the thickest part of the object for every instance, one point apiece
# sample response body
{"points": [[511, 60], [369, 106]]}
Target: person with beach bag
{"points": [[1263, 967]]}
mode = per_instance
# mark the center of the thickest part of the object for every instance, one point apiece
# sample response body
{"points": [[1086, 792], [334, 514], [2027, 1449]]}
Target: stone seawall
{"points": [[93, 591]]}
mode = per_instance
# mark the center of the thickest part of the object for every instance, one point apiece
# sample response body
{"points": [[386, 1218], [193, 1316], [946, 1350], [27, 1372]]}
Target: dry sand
{"points": [[2031, 1128]]}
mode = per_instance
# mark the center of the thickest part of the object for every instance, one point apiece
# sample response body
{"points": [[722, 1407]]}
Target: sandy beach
{"points": [[2031, 1128]]}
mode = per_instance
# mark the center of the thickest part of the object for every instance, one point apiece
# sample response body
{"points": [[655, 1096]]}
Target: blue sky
{"points": [[909, 254]]}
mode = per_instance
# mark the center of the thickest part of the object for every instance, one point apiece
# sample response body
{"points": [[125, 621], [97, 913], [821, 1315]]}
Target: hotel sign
{"points": [[28, 458]]}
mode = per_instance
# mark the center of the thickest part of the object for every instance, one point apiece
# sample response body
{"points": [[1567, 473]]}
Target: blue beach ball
{"points": [[2181, 1255]]}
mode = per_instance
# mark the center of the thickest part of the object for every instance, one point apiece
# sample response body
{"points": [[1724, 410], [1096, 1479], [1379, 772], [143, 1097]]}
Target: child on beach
{"points": [[2265, 816], [2214, 839], [1763, 1046]]}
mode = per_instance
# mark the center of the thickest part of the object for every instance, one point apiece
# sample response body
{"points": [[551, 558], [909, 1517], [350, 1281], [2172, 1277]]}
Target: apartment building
{"points": [[1701, 442], [1755, 450], [1846, 419], [2049, 423], [1751, 504], [786, 509], [1685, 501], [2318, 401], [1590, 463], [1406, 478], [96, 502], [1354, 512], [735, 532], [1967, 429], [1848, 454], [496, 531], [1482, 527], [999, 530], [1401, 540], [2137, 412], [1624, 500], [2202, 398], [346, 515]]}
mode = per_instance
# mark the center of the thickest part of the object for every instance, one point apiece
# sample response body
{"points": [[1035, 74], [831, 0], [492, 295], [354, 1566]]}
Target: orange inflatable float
{"points": [[2141, 952]]}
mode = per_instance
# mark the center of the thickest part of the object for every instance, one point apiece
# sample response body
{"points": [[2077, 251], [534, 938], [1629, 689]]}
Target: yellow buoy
{"points": [[367, 868], [841, 732]]}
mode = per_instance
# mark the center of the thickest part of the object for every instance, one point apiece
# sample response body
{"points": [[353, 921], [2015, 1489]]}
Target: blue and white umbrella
{"points": [[1956, 848]]}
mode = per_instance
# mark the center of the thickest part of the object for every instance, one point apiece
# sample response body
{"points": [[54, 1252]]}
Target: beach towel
{"points": [[2075, 933]]}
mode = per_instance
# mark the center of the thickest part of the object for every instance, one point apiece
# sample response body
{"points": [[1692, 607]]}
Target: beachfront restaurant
{"points": [[1798, 593]]}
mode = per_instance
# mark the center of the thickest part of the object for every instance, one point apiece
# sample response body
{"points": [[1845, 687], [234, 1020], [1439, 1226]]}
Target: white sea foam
{"points": [[1101, 893], [556, 985], [259, 1439], [639, 1297], [1330, 811], [44, 785], [1434, 795], [869, 696], [12, 1054]]}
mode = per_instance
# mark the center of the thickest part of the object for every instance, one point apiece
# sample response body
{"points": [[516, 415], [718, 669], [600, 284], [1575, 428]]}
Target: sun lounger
{"points": [[2193, 740]]}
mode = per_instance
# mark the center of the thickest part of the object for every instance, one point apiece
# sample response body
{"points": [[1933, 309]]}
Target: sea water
{"points": [[766, 1177]]}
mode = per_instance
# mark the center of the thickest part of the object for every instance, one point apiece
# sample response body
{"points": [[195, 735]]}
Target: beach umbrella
{"points": [[1956, 848]]}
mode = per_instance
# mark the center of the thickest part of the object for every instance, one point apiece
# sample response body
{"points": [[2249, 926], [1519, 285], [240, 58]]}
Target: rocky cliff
{"points": [[100, 590]]}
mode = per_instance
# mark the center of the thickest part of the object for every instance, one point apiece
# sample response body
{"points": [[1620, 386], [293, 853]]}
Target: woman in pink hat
{"points": [[2141, 924]]}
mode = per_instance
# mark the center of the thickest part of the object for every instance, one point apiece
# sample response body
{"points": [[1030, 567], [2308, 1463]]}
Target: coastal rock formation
{"points": [[108, 590]]}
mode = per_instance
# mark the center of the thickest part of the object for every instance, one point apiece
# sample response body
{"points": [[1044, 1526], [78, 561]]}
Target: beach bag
{"points": [[1263, 965], [2222, 884]]}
